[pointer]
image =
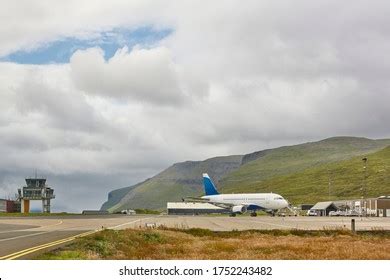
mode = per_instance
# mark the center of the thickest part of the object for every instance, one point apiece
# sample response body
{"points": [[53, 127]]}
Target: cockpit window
{"points": [[278, 198]]}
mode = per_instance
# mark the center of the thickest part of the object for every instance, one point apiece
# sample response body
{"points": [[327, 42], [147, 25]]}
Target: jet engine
{"points": [[239, 209]]}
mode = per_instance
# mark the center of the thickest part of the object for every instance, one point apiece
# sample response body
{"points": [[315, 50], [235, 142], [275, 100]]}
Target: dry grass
{"points": [[204, 244]]}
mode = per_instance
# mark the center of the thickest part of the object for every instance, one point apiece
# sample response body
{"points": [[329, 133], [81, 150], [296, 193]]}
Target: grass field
{"points": [[2, 214], [205, 244]]}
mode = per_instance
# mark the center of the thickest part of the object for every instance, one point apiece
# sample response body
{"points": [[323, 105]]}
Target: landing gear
{"points": [[253, 214], [232, 214]]}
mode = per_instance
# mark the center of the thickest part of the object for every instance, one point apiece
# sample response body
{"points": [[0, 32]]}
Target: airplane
{"points": [[241, 203]]}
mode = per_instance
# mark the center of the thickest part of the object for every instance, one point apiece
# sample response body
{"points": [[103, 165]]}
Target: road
{"points": [[22, 237]]}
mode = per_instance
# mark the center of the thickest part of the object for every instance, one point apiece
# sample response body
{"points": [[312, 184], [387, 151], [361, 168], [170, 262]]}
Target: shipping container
{"points": [[7, 206]]}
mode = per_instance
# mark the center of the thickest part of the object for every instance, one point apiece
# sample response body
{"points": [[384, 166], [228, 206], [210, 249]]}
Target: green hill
{"points": [[115, 196], [291, 159], [299, 172], [346, 180], [178, 181]]}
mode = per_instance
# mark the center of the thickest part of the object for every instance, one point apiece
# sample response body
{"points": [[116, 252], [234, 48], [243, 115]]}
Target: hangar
{"points": [[323, 208], [193, 208], [95, 212]]}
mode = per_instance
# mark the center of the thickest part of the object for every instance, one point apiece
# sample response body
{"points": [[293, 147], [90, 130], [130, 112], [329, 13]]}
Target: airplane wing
{"points": [[194, 199], [230, 206], [205, 200], [221, 204]]}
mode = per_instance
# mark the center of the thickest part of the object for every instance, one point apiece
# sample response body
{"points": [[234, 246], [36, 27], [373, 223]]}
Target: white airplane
{"points": [[240, 203]]}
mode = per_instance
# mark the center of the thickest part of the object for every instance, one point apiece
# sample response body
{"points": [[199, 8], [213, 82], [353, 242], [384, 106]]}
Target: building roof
{"points": [[323, 205]]}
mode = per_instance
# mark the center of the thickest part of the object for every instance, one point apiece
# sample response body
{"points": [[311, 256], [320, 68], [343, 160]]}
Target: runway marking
{"points": [[44, 246], [23, 236], [128, 223], [32, 234], [279, 225], [57, 242], [35, 228]]}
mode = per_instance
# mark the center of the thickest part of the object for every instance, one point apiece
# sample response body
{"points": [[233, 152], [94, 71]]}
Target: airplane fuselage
{"points": [[265, 201]]}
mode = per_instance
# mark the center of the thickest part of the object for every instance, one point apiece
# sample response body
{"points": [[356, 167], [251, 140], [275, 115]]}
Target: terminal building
{"points": [[372, 207], [193, 208]]}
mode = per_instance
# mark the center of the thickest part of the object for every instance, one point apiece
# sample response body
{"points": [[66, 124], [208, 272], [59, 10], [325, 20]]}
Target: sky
{"points": [[97, 95]]}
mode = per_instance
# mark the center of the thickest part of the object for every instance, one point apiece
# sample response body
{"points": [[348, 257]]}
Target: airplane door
{"points": [[267, 201]]}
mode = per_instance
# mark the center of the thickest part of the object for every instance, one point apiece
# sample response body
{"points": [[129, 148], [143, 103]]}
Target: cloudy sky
{"points": [[97, 95]]}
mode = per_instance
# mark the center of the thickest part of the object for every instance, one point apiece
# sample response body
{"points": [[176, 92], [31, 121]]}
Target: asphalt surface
{"points": [[18, 234], [22, 237]]}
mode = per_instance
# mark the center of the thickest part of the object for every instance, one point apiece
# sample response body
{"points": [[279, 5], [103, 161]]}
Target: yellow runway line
{"points": [[61, 241], [44, 246]]}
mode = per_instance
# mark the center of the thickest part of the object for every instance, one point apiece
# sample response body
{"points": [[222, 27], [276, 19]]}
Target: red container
{"points": [[10, 206]]}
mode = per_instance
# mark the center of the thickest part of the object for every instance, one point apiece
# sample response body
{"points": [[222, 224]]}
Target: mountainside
{"points": [[331, 181], [178, 181], [291, 159], [115, 196], [300, 173]]}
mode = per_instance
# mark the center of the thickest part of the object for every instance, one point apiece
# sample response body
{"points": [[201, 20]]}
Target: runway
{"points": [[22, 237]]}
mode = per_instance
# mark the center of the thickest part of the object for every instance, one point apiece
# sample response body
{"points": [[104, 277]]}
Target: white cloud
{"points": [[231, 78], [147, 75], [26, 25]]}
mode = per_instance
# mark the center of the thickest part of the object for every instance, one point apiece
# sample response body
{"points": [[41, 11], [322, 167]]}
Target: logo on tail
{"points": [[209, 187]]}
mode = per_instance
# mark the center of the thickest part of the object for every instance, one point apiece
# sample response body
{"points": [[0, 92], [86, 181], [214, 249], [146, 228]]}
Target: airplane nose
{"points": [[286, 204]]}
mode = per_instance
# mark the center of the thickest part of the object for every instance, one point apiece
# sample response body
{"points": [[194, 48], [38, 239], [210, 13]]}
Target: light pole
{"points": [[364, 185], [329, 183]]}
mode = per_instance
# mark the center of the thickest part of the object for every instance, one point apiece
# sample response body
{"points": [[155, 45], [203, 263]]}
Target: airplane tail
{"points": [[209, 187]]}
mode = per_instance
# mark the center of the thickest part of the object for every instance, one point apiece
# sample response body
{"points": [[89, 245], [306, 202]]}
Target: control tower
{"points": [[35, 189]]}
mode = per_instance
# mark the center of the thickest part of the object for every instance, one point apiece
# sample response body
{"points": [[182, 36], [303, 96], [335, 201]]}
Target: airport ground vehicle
{"points": [[337, 213], [312, 213]]}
